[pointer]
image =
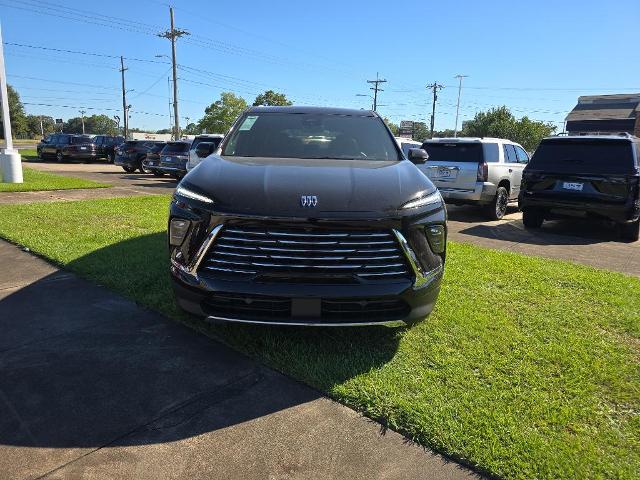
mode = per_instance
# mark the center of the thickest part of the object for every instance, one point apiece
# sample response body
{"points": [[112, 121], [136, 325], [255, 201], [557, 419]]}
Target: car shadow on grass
{"points": [[81, 366]]}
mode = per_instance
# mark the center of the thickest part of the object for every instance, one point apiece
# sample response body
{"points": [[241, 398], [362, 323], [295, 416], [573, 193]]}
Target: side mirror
{"points": [[418, 155], [204, 149]]}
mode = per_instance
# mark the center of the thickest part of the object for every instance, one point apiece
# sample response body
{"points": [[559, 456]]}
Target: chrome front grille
{"points": [[305, 253]]}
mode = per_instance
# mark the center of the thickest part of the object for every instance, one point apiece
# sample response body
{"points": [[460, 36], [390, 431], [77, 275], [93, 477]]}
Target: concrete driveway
{"points": [[583, 241]]}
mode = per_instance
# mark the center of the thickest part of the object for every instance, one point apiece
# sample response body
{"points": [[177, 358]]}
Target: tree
{"points": [[17, 116], [165, 130], [220, 115], [272, 98], [420, 131], [33, 125], [392, 126], [93, 125], [191, 129], [501, 123], [446, 133]]}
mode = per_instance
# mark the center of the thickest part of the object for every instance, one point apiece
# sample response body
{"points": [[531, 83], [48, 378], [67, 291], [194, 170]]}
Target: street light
{"points": [[459, 77], [82, 112]]}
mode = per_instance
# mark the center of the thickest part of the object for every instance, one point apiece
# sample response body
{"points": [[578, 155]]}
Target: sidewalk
{"points": [[92, 386]]}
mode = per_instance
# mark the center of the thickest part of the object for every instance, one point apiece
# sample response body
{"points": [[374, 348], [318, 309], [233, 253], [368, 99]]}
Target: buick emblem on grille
{"points": [[308, 201]]}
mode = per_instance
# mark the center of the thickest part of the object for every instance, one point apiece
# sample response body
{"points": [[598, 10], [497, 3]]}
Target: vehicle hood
{"points": [[274, 186]]}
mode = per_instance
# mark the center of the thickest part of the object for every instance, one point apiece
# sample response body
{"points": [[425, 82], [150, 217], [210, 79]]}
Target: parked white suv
{"points": [[483, 171], [406, 144], [194, 160]]}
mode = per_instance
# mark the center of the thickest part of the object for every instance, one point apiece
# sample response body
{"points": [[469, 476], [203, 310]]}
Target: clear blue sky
{"points": [[535, 57]]}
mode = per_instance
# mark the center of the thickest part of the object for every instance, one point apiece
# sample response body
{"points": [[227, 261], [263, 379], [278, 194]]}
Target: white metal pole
{"points": [[9, 158], [459, 77]]}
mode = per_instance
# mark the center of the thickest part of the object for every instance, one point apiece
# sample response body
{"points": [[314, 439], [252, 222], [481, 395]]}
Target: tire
{"points": [[128, 169], [110, 158], [144, 169], [630, 231], [498, 206], [157, 173], [59, 157], [532, 218]]}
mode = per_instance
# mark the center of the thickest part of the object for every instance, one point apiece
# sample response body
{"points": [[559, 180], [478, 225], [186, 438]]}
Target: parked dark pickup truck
{"points": [[106, 145], [64, 147]]}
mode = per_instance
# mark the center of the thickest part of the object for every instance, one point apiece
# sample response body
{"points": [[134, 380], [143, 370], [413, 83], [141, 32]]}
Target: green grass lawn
{"points": [[37, 180], [528, 367], [29, 154]]}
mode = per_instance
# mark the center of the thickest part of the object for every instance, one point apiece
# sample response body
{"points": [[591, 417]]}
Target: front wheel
{"points": [[630, 231], [109, 157], [157, 173], [498, 207], [128, 169], [532, 218], [59, 157]]}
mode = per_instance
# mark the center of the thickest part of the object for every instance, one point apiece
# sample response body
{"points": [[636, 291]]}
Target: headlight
{"points": [[185, 192], [433, 198]]}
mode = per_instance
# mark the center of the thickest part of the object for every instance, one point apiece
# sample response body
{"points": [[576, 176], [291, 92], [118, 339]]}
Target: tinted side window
{"points": [[522, 155], [491, 152], [510, 154], [63, 139]]}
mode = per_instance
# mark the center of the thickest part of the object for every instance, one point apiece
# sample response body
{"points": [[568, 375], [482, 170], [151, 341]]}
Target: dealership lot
{"points": [[591, 243]]}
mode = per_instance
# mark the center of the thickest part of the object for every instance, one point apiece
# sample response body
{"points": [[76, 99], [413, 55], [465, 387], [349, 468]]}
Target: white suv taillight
{"points": [[483, 172]]}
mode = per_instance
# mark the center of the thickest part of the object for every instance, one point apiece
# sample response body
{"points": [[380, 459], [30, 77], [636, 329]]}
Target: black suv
{"points": [[593, 176], [173, 159], [131, 154], [64, 147], [106, 145], [310, 216]]}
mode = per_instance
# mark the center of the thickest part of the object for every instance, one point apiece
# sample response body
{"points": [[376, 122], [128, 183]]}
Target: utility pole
{"points": [[41, 127], [82, 112], [172, 35], [459, 77], [435, 86], [125, 122], [376, 88]]}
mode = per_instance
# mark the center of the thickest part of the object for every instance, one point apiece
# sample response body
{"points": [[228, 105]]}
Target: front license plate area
{"points": [[573, 186], [305, 308]]}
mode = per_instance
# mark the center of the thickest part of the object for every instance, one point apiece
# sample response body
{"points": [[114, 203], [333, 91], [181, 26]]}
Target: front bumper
{"points": [[483, 192], [125, 161], [414, 295]]}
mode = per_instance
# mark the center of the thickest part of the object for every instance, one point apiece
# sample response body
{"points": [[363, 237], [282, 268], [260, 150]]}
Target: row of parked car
{"points": [[147, 156], [595, 176]]}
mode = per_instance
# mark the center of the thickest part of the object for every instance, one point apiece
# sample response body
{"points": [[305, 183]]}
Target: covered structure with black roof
{"points": [[605, 114]]}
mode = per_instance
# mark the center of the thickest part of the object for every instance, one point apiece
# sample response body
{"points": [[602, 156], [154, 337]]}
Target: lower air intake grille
{"points": [[278, 309], [311, 254]]}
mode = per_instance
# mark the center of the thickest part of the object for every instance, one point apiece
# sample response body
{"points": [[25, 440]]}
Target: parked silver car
{"points": [[481, 171], [214, 138]]}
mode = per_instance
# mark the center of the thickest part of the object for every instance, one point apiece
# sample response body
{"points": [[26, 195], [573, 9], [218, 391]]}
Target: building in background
{"points": [[605, 114]]}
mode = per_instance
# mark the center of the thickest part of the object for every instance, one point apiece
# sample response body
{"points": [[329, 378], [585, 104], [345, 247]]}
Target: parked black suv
{"points": [[106, 145], [173, 159], [595, 176], [132, 153], [310, 216], [152, 160], [64, 147]]}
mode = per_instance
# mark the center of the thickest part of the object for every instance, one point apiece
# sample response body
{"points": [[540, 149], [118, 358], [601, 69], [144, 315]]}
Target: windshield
{"points": [[584, 156], [309, 136], [176, 147], [454, 152]]}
